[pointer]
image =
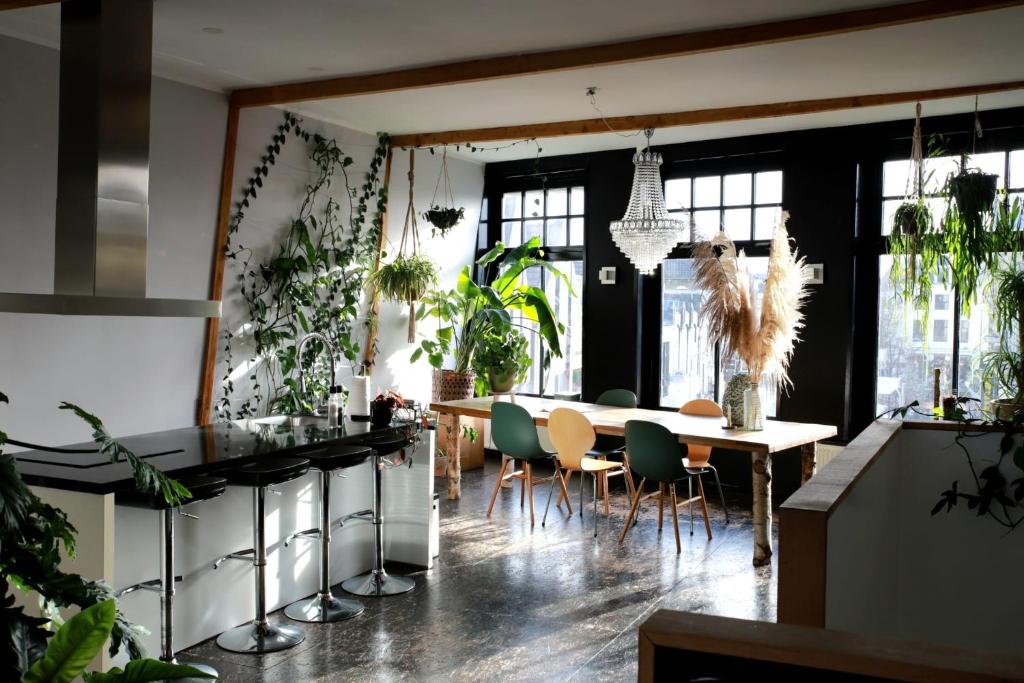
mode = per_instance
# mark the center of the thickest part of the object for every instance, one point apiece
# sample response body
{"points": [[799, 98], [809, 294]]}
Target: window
{"points": [[747, 206], [906, 359], [688, 360], [555, 215]]}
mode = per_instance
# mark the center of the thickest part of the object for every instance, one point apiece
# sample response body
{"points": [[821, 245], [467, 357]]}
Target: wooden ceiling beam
{"points": [[694, 117], [18, 4], [615, 53]]}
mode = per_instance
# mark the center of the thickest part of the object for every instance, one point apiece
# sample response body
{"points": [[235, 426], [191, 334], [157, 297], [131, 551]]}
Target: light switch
{"points": [[607, 275], [816, 274]]}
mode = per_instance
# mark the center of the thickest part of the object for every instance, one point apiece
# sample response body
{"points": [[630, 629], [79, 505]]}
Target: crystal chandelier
{"points": [[646, 234]]}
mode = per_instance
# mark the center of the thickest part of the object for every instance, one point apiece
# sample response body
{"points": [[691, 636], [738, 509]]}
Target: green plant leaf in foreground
{"points": [[146, 671], [74, 645]]}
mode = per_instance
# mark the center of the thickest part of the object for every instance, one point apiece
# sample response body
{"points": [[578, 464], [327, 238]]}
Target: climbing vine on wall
{"points": [[311, 281]]}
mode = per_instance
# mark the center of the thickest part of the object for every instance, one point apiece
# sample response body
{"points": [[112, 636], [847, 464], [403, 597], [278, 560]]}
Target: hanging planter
{"points": [[410, 275], [974, 193], [444, 216], [916, 248]]}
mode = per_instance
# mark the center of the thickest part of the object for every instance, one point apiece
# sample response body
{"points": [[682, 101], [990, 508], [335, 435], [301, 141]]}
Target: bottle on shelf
{"points": [[335, 407]]}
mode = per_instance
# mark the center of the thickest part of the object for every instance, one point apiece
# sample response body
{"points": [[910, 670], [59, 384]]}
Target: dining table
{"points": [[776, 436]]}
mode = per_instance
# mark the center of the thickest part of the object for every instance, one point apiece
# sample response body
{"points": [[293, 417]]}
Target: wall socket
{"points": [[817, 273], [606, 275]]}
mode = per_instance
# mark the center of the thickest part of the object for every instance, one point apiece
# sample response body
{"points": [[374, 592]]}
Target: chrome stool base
{"points": [[378, 584], [253, 639], [323, 610]]}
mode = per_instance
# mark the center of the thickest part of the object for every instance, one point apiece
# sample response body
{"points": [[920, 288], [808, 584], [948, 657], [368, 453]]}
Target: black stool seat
{"points": [[267, 472], [338, 457], [202, 487]]}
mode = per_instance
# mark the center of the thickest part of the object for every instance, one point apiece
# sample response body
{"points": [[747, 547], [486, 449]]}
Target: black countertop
{"points": [[194, 450]]}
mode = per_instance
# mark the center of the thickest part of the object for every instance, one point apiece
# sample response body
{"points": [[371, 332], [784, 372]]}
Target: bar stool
{"points": [[202, 488], [377, 582], [324, 607], [259, 635]]}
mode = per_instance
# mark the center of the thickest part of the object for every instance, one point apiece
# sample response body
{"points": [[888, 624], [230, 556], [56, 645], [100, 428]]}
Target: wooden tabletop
{"points": [[709, 431]]}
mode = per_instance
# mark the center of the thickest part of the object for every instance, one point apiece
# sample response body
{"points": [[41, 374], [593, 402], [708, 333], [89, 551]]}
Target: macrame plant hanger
{"points": [[442, 216], [411, 237], [916, 177]]}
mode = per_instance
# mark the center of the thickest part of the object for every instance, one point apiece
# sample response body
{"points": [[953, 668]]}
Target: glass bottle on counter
{"points": [[335, 407]]}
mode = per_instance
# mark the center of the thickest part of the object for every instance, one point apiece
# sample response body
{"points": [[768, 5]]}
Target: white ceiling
{"points": [[269, 41]]}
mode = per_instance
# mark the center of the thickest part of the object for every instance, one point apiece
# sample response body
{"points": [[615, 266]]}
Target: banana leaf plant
{"points": [[467, 314]]}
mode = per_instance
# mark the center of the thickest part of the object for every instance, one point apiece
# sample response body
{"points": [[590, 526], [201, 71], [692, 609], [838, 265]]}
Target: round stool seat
{"points": [[390, 446], [338, 457], [267, 472], [202, 487]]}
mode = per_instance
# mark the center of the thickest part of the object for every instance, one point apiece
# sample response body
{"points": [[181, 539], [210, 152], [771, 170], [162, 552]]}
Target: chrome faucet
{"points": [[330, 356]]}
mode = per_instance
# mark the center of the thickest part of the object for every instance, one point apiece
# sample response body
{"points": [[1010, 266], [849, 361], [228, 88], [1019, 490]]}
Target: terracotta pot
{"points": [[1005, 409], [501, 382], [453, 386]]}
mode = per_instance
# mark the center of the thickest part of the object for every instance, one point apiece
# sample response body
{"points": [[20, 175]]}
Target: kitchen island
{"points": [[121, 544]]}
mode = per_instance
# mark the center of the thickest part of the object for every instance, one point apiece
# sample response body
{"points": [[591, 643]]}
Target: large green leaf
{"points": [[74, 645], [497, 250], [146, 671]]}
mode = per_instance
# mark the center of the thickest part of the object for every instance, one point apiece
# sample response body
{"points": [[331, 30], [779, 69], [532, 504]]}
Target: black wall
{"points": [[832, 190]]}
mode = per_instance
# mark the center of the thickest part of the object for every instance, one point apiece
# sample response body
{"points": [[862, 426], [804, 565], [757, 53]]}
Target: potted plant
{"points": [[917, 252], [1003, 369], [470, 312], [406, 280], [973, 191], [382, 408], [504, 358], [443, 218]]}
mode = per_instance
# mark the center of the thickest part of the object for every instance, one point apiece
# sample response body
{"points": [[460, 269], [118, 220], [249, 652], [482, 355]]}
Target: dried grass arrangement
{"points": [[763, 338]]}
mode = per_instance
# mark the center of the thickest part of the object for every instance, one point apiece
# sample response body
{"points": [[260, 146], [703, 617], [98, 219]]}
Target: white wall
{"points": [[278, 200], [896, 570], [137, 374]]}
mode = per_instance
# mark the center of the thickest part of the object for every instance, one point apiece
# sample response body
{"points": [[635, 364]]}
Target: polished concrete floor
{"points": [[507, 603]]}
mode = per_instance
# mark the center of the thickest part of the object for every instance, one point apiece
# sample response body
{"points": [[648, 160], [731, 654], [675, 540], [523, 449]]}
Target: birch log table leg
{"points": [[762, 471], [808, 461], [454, 459]]}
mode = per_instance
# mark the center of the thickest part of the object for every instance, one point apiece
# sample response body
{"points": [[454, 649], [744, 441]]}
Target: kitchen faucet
{"points": [[298, 359]]}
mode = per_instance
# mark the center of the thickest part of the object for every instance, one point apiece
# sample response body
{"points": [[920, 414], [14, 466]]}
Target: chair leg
{"points": [[551, 490], [594, 477], [721, 495], [689, 503], [632, 510], [565, 495], [529, 485], [607, 507], [497, 485], [582, 478], [704, 506], [564, 489], [675, 517], [628, 474], [661, 505], [522, 489]]}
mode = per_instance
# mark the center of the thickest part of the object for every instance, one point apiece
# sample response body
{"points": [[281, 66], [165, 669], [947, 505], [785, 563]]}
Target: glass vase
{"points": [[753, 415]]}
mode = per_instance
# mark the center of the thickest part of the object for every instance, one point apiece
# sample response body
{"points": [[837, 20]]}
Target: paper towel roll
{"points": [[359, 397]]}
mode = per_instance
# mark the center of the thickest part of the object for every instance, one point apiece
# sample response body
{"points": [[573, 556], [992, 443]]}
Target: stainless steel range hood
{"points": [[106, 51]]}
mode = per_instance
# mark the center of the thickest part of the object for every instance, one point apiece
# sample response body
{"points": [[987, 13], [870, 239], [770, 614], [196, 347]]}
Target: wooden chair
{"points": [[697, 458], [654, 455], [515, 435], [573, 437]]}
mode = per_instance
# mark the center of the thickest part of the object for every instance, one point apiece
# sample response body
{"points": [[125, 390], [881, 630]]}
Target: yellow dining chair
{"points": [[697, 460], [573, 436]]}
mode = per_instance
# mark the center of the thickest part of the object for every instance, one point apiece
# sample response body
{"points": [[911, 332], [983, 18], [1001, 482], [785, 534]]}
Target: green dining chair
{"points": [[655, 455], [514, 433]]}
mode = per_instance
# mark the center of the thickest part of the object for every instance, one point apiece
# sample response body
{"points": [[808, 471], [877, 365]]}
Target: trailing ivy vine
{"points": [[312, 281]]}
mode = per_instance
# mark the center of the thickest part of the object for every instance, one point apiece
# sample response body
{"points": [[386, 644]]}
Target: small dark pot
{"points": [[501, 382], [912, 219], [380, 414], [974, 193]]}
